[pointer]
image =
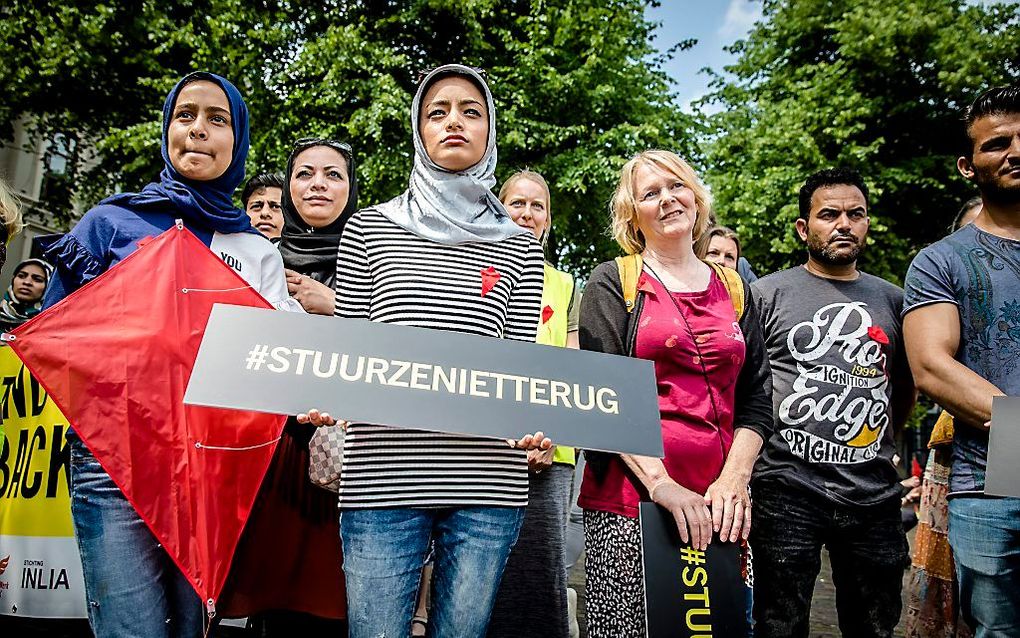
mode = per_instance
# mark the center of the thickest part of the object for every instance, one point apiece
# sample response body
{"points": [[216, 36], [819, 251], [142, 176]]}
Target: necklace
{"points": [[697, 346], [651, 257]]}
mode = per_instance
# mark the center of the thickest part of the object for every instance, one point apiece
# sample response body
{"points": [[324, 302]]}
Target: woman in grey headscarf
{"points": [[445, 255]]}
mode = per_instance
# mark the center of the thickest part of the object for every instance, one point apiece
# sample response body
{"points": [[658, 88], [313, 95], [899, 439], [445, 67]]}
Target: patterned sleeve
{"points": [[523, 310], [79, 256], [929, 280], [353, 277]]}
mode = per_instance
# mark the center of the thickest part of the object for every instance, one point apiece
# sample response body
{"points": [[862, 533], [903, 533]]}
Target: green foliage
{"points": [[576, 83], [878, 85]]}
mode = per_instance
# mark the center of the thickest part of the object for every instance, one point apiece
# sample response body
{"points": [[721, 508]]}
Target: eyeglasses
{"points": [[477, 69], [307, 142]]}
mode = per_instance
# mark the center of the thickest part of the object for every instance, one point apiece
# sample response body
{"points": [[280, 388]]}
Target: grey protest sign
{"points": [[1002, 476], [287, 363]]}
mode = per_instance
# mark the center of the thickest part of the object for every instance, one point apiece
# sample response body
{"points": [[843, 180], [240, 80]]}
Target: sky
{"points": [[715, 24]]}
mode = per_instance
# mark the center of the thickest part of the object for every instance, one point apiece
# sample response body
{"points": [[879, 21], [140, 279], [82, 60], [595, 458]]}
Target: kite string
{"points": [[187, 290], [201, 446], [210, 613]]}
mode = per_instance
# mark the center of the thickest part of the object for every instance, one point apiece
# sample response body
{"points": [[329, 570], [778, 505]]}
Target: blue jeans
{"points": [[985, 536], [132, 587], [384, 550]]}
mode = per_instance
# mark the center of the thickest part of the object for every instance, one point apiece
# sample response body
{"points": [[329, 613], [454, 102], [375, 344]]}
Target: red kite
{"points": [[116, 356]]}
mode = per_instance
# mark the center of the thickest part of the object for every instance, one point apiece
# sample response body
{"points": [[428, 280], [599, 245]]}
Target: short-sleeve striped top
{"points": [[388, 274]]}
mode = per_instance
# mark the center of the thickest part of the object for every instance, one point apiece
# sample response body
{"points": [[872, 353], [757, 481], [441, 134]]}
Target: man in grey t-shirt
{"points": [[841, 387], [962, 330]]}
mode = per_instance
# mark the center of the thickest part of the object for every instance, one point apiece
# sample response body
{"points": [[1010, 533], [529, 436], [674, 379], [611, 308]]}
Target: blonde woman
{"points": [[536, 572], [719, 245], [10, 219], [711, 368]]}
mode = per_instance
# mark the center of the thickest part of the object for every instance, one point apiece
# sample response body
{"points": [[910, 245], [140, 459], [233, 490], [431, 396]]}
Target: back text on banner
{"points": [[40, 571]]}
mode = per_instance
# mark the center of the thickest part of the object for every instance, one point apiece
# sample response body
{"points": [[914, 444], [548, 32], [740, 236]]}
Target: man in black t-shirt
{"points": [[841, 388]]}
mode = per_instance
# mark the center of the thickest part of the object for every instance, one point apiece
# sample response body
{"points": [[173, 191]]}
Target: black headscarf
{"points": [[312, 251]]}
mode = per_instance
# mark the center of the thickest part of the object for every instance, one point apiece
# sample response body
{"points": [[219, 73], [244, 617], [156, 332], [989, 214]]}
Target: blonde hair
{"points": [[10, 211], [527, 173], [701, 246], [624, 205]]}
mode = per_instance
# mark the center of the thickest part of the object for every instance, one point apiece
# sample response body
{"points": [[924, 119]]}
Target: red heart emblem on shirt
{"points": [[489, 278], [547, 314], [876, 333]]}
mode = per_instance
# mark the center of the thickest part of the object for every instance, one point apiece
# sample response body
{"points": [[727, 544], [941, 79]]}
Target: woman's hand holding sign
{"points": [[539, 460], [727, 495], [731, 506], [689, 510], [320, 419], [537, 442]]}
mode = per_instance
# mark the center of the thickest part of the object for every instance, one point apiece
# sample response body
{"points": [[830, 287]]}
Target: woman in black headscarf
{"points": [[320, 195], [300, 590]]}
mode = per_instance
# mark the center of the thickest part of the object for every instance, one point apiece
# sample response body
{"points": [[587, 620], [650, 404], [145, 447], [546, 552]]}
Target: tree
{"points": [[95, 74], [878, 85], [577, 86]]}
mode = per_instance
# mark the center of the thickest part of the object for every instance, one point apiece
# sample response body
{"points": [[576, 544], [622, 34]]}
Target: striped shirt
{"points": [[388, 274]]}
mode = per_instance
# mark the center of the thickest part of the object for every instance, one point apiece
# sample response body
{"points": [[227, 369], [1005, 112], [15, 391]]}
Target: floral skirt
{"points": [[931, 595]]}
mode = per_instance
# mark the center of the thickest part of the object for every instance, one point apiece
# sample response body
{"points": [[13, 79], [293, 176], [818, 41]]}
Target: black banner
{"points": [[690, 593]]}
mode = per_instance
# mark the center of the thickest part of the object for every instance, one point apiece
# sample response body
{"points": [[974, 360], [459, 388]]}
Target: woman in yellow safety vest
{"points": [[535, 578]]}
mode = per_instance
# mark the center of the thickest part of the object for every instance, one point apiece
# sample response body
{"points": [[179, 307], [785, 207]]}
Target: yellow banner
{"points": [[35, 458]]}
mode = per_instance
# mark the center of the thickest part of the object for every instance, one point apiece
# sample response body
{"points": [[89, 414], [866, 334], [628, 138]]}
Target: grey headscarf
{"points": [[451, 207]]}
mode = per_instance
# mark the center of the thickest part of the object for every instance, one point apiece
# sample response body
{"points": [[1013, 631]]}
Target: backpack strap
{"points": [[630, 269], [734, 286]]}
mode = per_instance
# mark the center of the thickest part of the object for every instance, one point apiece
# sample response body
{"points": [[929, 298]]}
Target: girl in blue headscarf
{"points": [[132, 586]]}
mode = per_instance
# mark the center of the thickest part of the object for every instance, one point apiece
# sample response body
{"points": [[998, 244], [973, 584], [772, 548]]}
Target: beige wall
{"points": [[21, 163]]}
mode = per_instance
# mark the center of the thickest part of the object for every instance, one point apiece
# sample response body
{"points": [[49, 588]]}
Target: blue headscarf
{"points": [[208, 204]]}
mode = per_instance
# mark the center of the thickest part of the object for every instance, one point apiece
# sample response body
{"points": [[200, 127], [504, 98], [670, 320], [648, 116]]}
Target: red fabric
{"points": [[289, 556], [490, 276], [116, 356], [695, 444]]}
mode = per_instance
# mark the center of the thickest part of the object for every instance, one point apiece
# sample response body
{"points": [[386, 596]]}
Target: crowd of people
{"points": [[780, 398]]}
